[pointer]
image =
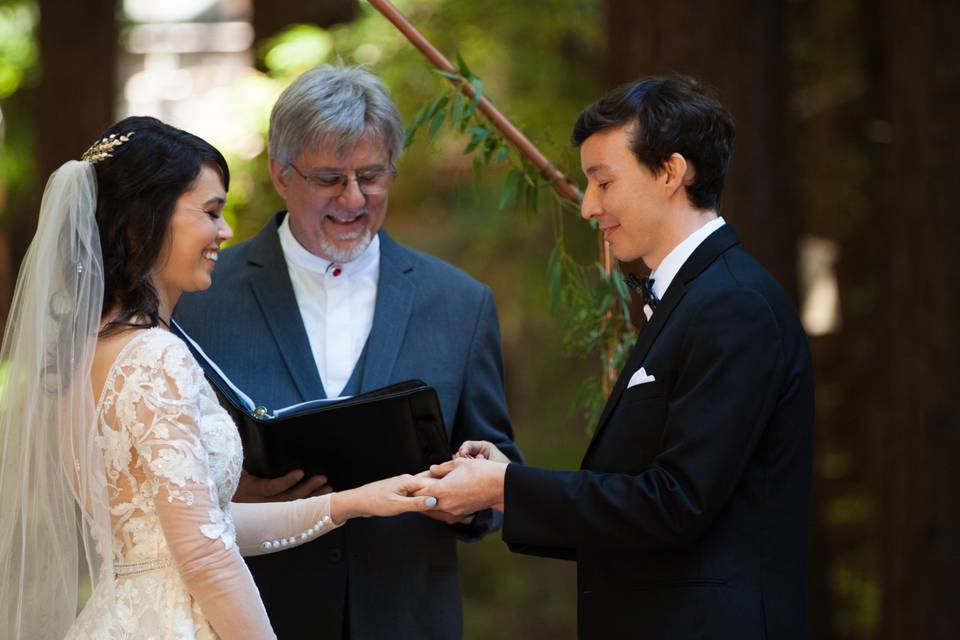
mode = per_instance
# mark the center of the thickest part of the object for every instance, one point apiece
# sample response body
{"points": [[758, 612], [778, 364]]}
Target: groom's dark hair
{"points": [[670, 114]]}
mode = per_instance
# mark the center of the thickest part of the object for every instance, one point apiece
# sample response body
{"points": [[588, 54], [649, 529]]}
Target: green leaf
{"points": [[411, 131], [489, 146], [532, 196], [552, 258], [605, 301], [509, 187], [479, 135], [519, 196], [457, 115], [477, 85], [448, 74], [438, 103], [555, 272], [421, 116], [462, 66], [502, 155], [408, 135], [437, 122]]}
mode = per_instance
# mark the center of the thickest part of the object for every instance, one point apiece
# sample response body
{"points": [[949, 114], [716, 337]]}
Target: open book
{"points": [[355, 440]]}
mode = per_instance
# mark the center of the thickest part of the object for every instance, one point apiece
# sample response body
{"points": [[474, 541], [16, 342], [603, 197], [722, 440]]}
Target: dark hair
{"points": [[672, 114], [137, 191]]}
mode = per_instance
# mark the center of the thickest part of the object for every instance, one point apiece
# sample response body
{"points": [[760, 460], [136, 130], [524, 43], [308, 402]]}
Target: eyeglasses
{"points": [[332, 184]]}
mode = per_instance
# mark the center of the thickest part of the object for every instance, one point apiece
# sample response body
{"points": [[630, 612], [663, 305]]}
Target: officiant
{"points": [[323, 303]]}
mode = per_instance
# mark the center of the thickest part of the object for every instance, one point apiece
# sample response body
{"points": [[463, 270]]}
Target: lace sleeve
{"points": [[273, 526], [160, 406]]}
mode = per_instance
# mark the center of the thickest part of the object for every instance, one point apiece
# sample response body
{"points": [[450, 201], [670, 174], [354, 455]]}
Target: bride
{"points": [[114, 454]]}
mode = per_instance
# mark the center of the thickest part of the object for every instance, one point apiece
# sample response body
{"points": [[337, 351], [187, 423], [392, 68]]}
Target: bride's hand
{"points": [[387, 497], [481, 449]]}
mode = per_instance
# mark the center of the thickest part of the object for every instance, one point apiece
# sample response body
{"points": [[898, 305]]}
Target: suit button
{"points": [[335, 555]]}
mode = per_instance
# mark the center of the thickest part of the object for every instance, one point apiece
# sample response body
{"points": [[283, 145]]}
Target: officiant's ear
{"points": [[280, 175]]}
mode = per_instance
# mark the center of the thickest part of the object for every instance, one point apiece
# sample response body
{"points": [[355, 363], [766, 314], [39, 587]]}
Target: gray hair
{"points": [[330, 105]]}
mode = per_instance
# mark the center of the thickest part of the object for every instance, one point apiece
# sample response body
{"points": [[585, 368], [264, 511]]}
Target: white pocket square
{"points": [[640, 377]]}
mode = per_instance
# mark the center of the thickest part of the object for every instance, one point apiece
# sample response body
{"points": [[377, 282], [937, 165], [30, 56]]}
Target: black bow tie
{"points": [[643, 286]]}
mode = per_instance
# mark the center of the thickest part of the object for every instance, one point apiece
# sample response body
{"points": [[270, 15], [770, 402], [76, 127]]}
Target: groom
{"points": [[688, 516]]}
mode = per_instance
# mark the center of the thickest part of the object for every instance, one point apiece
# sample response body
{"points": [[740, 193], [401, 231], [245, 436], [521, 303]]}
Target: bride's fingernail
{"points": [[431, 502]]}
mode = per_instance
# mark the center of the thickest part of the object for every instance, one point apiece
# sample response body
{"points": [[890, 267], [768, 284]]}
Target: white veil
{"points": [[54, 515]]}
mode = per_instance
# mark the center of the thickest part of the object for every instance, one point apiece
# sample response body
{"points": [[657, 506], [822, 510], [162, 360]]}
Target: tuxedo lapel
{"points": [[395, 294], [273, 290], [709, 250], [647, 335], [714, 246]]}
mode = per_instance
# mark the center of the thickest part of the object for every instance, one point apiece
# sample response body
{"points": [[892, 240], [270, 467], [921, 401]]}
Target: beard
{"points": [[348, 248]]}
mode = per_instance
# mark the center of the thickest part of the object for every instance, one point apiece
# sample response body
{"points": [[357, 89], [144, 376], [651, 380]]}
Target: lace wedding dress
{"points": [[173, 459]]}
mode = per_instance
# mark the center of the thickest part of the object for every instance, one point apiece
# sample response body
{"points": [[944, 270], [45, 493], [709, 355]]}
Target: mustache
{"points": [[346, 215]]}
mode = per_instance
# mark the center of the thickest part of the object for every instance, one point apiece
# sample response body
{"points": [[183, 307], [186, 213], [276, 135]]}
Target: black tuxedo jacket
{"points": [[688, 517]]}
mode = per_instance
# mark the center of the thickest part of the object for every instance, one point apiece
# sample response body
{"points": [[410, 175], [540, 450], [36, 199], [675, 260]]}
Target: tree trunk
{"points": [[920, 437], [738, 47], [76, 96], [77, 93], [837, 94], [73, 103]]}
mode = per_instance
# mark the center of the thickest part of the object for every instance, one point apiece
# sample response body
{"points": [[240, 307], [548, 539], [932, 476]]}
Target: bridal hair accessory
{"points": [[100, 150]]}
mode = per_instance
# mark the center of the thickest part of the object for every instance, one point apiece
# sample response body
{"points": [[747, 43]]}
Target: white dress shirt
{"points": [[667, 270], [336, 303]]}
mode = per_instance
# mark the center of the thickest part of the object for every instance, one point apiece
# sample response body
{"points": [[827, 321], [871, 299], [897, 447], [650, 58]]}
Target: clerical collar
{"points": [[301, 256]]}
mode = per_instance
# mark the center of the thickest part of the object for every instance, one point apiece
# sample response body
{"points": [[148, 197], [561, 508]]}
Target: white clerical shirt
{"points": [[668, 268], [336, 303]]}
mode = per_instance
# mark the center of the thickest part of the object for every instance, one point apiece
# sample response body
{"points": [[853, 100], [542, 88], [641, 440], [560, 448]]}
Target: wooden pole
{"points": [[566, 188], [560, 182]]}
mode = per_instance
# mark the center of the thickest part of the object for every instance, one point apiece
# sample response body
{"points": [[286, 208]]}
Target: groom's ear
{"points": [[280, 177], [677, 173]]}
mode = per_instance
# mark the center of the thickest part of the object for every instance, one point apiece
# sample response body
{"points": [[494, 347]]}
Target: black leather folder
{"points": [[382, 433]]}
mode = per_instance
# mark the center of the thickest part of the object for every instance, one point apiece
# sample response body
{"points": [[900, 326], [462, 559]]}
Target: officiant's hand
{"points": [[291, 486], [481, 449]]}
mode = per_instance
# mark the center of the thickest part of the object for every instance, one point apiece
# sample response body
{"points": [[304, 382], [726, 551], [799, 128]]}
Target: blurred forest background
{"points": [[847, 123]]}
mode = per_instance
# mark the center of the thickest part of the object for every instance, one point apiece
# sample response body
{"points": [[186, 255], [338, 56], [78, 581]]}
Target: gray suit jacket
{"points": [[382, 577]]}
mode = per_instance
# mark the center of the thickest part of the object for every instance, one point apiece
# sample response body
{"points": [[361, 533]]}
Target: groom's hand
{"points": [[464, 486], [291, 486], [439, 514]]}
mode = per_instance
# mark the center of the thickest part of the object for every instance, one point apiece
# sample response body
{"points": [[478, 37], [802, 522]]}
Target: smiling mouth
{"points": [[211, 255], [345, 222]]}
